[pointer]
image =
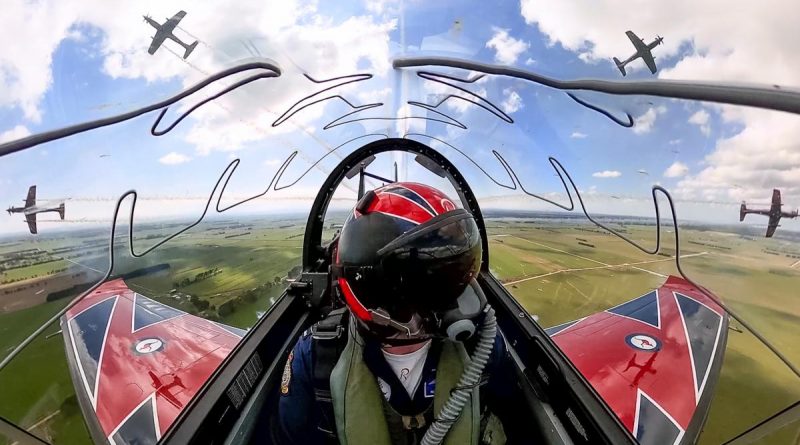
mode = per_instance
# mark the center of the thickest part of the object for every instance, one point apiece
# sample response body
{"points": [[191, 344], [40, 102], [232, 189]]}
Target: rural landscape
{"points": [[558, 266]]}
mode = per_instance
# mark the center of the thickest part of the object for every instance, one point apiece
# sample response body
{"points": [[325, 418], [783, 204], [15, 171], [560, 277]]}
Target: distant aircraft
{"points": [[164, 31], [31, 209], [643, 50], [775, 213]]}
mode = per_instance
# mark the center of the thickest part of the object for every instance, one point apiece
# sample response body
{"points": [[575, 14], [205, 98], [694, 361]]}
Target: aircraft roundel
{"points": [[148, 345], [643, 342]]}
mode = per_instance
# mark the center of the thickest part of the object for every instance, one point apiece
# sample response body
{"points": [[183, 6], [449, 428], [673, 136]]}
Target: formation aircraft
{"points": [[775, 212], [642, 371], [30, 209], [643, 50], [164, 32]]}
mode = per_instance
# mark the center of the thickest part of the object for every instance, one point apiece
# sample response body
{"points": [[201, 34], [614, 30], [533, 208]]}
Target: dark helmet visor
{"points": [[428, 267]]}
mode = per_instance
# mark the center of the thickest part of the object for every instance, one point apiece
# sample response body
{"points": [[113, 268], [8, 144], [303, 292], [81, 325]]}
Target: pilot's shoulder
{"points": [[498, 356], [304, 344]]}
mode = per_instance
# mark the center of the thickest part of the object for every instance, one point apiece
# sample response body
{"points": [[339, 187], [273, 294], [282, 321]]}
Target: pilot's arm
{"points": [[298, 416], [504, 399]]}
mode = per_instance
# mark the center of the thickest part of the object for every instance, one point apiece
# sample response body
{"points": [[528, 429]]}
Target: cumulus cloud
{"points": [[644, 123], [383, 6], [700, 119], [675, 141], [764, 153], [272, 162], [578, 135], [370, 96], [599, 32], [749, 164], [607, 174], [507, 48], [512, 102], [18, 132], [676, 170], [291, 32], [174, 158]]}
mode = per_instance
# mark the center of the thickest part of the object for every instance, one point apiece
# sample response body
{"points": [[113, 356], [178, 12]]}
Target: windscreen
{"points": [[168, 216]]}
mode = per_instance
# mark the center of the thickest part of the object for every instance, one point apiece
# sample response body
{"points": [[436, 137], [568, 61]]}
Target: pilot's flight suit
{"points": [[404, 419]]}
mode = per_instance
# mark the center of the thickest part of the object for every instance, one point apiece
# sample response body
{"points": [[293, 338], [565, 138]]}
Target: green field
{"points": [[558, 280], [37, 270], [36, 390], [539, 261]]}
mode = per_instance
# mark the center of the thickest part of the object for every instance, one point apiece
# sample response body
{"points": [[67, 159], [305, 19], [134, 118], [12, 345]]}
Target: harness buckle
{"points": [[326, 334], [414, 422]]}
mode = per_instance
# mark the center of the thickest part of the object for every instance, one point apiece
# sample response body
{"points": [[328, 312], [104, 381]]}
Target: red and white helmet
{"points": [[405, 258]]}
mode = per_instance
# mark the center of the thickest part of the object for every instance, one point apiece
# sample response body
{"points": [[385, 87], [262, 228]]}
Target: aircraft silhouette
{"points": [[775, 213], [30, 209], [164, 31], [643, 50]]}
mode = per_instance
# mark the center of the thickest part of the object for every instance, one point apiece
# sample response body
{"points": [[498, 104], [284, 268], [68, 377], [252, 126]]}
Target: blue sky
{"points": [[98, 66]]}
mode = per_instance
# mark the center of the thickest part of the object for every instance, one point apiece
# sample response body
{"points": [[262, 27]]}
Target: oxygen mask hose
{"points": [[469, 379]]}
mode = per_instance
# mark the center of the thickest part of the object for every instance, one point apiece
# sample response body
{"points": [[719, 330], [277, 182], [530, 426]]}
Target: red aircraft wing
{"points": [[136, 363], [652, 359]]}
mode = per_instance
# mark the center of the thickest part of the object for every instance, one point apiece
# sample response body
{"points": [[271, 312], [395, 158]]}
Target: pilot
{"points": [[380, 369]]}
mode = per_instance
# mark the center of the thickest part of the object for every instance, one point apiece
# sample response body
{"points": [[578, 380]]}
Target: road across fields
{"points": [[41, 422], [602, 264]]}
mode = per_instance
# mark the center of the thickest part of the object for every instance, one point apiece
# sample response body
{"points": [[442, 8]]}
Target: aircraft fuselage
{"points": [[637, 54], [36, 209], [773, 213], [32, 210], [164, 32], [166, 28]]}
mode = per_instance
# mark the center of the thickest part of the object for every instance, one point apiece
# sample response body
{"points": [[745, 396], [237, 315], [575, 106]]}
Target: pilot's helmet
{"points": [[406, 264]]}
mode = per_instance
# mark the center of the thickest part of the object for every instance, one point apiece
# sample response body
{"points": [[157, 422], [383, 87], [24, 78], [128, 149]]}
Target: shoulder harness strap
{"points": [[327, 340]]}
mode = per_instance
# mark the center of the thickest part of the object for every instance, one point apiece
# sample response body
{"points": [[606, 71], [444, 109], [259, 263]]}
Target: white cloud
{"points": [[765, 153], [749, 164], [578, 135], [530, 61], [760, 35], [292, 32], [384, 7], [700, 119], [676, 170], [272, 162], [607, 174], [174, 158], [18, 132], [675, 141], [507, 48], [512, 102], [644, 123], [368, 96]]}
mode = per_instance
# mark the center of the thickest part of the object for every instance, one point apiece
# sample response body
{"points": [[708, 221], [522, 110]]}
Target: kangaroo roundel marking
{"points": [[148, 345], [643, 342]]}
